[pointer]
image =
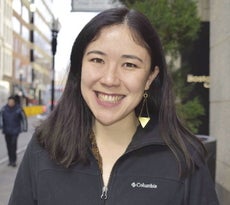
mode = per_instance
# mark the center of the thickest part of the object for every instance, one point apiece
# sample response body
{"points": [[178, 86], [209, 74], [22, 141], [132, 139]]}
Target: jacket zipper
{"points": [[104, 192], [105, 188]]}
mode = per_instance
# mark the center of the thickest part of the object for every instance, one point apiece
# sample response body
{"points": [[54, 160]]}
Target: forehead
{"points": [[119, 33], [113, 31]]}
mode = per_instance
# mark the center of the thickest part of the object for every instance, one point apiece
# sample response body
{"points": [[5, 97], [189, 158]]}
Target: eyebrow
{"points": [[132, 57], [95, 52]]}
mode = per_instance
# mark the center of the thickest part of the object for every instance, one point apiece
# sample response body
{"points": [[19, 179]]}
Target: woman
{"points": [[98, 146]]}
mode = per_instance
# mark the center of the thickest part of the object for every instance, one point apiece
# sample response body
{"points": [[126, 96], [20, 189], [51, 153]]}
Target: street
{"points": [[7, 174]]}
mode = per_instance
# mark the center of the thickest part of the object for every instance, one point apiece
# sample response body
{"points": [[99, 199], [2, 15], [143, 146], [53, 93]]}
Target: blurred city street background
{"points": [[36, 37], [8, 173]]}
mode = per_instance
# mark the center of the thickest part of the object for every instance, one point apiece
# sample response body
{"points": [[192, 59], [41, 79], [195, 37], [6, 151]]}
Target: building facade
{"points": [[32, 47], [6, 47], [25, 47], [215, 19], [220, 93]]}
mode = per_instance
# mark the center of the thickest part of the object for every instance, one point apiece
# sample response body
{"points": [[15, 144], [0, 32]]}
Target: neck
{"points": [[119, 133]]}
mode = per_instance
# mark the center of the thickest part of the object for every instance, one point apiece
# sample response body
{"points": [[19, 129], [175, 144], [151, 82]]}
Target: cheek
{"points": [[87, 76], [85, 80], [137, 83], [85, 87]]}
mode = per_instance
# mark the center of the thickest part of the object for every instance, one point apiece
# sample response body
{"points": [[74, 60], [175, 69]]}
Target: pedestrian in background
{"points": [[12, 121], [114, 137]]}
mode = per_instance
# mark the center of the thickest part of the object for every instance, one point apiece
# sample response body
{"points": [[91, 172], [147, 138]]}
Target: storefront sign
{"points": [[199, 79]]}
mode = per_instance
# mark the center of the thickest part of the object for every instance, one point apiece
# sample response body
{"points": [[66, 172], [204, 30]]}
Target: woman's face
{"points": [[115, 73]]}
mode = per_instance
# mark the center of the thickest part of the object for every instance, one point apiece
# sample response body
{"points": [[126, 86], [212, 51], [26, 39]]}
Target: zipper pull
{"points": [[104, 192]]}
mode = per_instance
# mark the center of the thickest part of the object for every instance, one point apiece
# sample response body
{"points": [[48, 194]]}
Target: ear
{"points": [[151, 77]]}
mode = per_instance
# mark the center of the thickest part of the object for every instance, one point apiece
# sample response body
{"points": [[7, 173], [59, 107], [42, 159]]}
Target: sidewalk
{"points": [[8, 174], [7, 177]]}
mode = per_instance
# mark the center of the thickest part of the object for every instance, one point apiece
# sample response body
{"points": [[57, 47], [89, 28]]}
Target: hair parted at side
{"points": [[65, 133]]}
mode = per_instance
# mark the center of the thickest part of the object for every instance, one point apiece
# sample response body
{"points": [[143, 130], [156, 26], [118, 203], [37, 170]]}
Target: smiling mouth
{"points": [[109, 98]]}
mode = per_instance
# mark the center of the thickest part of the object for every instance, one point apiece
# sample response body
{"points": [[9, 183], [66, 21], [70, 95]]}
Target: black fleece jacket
{"points": [[146, 174]]}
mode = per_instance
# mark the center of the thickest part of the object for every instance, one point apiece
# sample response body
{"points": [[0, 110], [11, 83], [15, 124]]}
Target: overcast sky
{"points": [[71, 25]]}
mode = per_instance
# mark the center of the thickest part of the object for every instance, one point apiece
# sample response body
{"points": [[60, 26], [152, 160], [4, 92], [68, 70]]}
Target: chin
{"points": [[105, 122]]}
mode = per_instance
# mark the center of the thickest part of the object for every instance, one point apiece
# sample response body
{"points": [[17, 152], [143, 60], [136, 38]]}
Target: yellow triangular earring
{"points": [[144, 119]]}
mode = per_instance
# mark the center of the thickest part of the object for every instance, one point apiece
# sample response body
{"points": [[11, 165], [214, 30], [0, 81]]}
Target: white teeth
{"points": [[109, 98]]}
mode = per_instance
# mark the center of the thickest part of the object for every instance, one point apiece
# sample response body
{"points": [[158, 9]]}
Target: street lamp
{"points": [[55, 29], [32, 10], [20, 79]]}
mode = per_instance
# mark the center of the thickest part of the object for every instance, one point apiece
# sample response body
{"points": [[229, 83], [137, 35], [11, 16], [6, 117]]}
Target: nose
{"points": [[111, 76]]}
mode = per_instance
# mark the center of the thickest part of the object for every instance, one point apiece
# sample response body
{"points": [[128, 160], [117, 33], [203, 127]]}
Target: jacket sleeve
{"points": [[24, 190], [1, 118], [201, 188], [24, 122]]}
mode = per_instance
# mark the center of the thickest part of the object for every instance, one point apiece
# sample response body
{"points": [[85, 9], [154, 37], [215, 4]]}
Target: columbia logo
{"points": [[143, 185]]}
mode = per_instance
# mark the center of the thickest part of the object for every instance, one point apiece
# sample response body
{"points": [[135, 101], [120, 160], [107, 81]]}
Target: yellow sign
{"points": [[199, 79]]}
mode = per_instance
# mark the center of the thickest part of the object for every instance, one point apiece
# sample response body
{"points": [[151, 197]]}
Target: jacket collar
{"points": [[149, 135], [11, 108]]}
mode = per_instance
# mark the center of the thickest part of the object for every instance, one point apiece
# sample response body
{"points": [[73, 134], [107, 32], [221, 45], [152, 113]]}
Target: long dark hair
{"points": [[65, 134]]}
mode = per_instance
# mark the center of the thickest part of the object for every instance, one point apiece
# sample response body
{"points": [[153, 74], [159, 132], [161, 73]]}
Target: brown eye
{"points": [[130, 65], [97, 60]]}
